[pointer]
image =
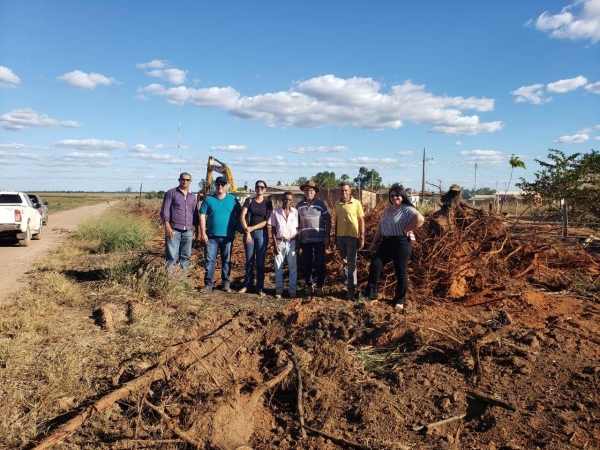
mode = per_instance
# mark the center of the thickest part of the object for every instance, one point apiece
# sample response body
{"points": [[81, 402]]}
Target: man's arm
{"points": [[203, 236], [165, 215], [361, 232]]}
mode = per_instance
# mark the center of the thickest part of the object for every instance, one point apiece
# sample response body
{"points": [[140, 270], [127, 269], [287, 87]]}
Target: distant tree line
{"points": [[574, 179], [366, 179]]}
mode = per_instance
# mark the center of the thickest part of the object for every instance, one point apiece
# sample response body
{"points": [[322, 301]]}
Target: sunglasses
{"points": [[220, 184], [260, 187], [185, 179], [395, 196]]}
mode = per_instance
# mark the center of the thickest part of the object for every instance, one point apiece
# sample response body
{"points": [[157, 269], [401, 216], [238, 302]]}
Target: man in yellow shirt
{"points": [[350, 234]]}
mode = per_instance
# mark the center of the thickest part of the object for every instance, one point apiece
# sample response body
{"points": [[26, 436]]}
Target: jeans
{"points": [[255, 253], [398, 250], [348, 247], [313, 254], [287, 251], [179, 246], [222, 244]]}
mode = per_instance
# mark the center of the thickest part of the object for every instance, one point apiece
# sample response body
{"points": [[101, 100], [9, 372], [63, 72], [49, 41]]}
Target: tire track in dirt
{"points": [[16, 262]]}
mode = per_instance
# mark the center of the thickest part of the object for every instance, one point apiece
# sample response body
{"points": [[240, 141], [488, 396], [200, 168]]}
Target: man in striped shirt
{"points": [[315, 226]]}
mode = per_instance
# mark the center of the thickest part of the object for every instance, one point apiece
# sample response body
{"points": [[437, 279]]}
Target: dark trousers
{"points": [[314, 256], [397, 249]]}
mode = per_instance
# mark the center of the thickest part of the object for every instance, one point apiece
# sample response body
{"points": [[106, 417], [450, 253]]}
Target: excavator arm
{"points": [[221, 168]]}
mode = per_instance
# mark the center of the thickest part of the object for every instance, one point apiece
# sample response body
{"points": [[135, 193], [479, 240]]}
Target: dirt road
{"points": [[18, 261]]}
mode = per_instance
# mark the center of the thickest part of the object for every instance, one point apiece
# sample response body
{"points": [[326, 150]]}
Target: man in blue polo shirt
{"points": [[180, 217], [218, 215]]}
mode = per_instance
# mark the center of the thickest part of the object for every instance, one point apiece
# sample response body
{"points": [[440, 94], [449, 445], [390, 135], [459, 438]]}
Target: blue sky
{"points": [[91, 93]]}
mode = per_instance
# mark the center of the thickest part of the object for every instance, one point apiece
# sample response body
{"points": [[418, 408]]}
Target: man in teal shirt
{"points": [[218, 215]]}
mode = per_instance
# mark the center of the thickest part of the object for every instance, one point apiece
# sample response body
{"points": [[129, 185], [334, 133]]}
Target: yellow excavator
{"points": [[214, 165]]}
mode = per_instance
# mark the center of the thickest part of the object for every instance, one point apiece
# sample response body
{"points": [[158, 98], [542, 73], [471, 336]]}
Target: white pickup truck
{"points": [[18, 217]]}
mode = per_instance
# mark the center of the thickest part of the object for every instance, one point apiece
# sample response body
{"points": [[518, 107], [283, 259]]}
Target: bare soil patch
{"points": [[511, 363]]}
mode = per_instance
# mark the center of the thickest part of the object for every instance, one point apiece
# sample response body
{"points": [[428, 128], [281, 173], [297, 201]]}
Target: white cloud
{"points": [[88, 155], [82, 80], [90, 144], [21, 147], [590, 130], [20, 119], [169, 147], [575, 139], [20, 155], [406, 153], [578, 21], [8, 78], [230, 148], [594, 88], [486, 157], [570, 84], [458, 143], [532, 94], [154, 64], [597, 138], [173, 76], [469, 129], [140, 148], [328, 100], [320, 149]]}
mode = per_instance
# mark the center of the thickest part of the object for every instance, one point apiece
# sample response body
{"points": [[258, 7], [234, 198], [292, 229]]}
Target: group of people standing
{"points": [[305, 227]]}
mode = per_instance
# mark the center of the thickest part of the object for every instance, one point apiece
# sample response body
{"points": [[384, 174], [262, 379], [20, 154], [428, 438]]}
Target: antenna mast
{"points": [[179, 144]]}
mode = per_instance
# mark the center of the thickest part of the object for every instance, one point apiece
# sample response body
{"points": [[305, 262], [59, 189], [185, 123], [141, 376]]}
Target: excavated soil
{"points": [[500, 339]]}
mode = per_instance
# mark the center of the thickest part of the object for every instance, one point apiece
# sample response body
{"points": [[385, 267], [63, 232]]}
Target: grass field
{"points": [[63, 201]]}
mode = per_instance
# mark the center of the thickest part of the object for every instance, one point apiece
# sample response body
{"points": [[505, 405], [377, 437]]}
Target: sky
{"points": [[102, 96]]}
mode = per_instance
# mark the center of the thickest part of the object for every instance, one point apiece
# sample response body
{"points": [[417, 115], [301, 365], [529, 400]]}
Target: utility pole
{"points": [[423, 181], [179, 144], [475, 182]]}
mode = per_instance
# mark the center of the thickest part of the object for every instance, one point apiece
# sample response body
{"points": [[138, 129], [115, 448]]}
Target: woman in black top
{"points": [[253, 218]]}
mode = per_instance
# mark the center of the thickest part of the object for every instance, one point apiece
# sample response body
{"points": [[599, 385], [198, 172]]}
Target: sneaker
{"points": [[205, 289], [227, 288], [292, 295], [243, 290], [399, 306], [319, 292], [309, 290], [261, 293], [278, 294], [350, 295]]}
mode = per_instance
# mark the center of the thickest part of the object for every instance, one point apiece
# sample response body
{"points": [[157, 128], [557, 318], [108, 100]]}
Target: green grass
{"points": [[113, 233]]}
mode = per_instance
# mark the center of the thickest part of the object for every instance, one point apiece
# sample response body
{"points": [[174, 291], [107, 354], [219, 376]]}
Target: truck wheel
{"points": [[38, 235], [25, 242]]}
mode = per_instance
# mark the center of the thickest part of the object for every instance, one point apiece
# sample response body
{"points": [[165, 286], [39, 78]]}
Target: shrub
{"points": [[116, 233]]}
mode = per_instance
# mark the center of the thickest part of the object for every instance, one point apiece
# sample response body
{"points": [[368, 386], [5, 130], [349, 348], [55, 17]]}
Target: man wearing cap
{"points": [[314, 226], [350, 234], [180, 217], [218, 215]]}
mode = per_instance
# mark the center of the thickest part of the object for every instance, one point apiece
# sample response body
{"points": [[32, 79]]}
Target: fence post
{"points": [[565, 219]]}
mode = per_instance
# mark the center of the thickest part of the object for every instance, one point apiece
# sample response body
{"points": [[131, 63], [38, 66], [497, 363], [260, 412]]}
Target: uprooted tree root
{"points": [[212, 386]]}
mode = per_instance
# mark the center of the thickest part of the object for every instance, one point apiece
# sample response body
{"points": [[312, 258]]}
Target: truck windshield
{"points": [[14, 199]]}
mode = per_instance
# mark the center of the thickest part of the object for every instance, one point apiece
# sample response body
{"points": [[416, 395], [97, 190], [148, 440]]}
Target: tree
{"points": [[574, 178], [367, 179], [468, 193], [326, 180], [345, 179], [201, 185], [279, 183], [300, 181], [129, 190]]}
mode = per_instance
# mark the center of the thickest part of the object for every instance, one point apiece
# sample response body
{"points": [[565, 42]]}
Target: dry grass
{"points": [[53, 355]]}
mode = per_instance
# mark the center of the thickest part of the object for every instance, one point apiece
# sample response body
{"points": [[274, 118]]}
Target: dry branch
{"points": [[299, 395], [340, 441], [441, 422]]}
